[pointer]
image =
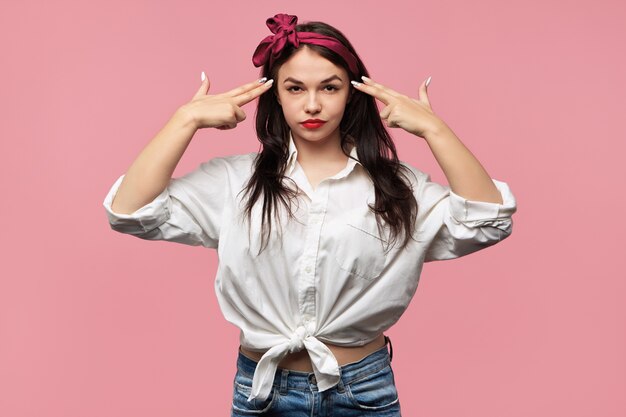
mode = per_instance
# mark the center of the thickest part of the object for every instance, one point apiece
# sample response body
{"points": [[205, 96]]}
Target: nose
{"points": [[312, 104]]}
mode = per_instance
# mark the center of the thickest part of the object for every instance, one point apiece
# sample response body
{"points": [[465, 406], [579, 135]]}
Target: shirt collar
{"points": [[293, 156]]}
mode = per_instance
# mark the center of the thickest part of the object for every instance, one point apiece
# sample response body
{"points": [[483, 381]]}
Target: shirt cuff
{"points": [[478, 212], [142, 220]]}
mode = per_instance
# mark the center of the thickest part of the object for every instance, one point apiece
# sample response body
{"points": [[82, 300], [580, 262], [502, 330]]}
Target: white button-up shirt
{"points": [[326, 276]]}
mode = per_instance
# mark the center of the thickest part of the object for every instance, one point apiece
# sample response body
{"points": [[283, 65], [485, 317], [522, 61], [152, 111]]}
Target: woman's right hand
{"points": [[222, 111]]}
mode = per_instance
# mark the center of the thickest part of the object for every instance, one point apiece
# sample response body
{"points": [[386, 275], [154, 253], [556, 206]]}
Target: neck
{"points": [[324, 152]]}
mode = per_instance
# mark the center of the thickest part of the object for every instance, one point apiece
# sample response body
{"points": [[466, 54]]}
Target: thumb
{"points": [[204, 87], [423, 91]]}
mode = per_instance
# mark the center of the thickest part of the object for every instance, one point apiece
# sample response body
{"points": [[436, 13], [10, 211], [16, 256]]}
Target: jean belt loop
{"points": [[283, 381], [388, 340], [340, 386]]}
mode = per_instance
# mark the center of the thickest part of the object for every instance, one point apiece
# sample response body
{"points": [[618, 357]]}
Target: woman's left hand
{"points": [[413, 115]]}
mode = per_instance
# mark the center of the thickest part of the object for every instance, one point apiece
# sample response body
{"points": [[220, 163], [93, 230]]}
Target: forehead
{"points": [[308, 65]]}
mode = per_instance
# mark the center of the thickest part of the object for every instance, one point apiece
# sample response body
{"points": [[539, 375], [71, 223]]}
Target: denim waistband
{"points": [[350, 372]]}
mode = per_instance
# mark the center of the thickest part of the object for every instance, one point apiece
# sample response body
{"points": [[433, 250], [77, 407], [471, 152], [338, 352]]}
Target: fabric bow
{"points": [[284, 28]]}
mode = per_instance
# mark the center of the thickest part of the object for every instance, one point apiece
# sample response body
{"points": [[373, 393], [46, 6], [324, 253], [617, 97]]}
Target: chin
{"points": [[315, 135]]}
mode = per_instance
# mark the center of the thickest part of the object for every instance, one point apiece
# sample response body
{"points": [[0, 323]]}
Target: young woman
{"points": [[322, 234]]}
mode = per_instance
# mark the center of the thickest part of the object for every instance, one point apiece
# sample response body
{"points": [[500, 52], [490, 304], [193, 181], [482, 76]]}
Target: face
{"points": [[311, 87]]}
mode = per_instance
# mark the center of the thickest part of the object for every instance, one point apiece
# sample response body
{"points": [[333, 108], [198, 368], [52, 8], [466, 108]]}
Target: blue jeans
{"points": [[367, 388]]}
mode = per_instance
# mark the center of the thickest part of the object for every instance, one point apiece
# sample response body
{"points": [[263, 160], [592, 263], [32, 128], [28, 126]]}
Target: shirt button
{"points": [[308, 269]]}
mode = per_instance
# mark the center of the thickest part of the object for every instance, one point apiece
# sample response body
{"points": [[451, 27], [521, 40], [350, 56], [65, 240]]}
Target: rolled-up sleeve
{"points": [[188, 211], [455, 226]]}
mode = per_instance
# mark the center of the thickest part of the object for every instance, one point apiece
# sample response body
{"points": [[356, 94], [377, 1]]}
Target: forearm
{"points": [[152, 170], [464, 173]]}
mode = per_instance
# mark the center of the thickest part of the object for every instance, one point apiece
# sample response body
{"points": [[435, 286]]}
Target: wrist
{"points": [[436, 130], [183, 117]]}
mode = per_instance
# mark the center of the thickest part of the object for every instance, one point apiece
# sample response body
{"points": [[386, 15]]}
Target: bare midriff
{"points": [[300, 361]]}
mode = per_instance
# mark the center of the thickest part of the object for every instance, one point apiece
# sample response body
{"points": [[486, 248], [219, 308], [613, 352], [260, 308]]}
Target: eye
{"points": [[332, 88], [291, 88]]}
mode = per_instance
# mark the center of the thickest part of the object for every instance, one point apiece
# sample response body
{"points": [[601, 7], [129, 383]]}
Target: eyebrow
{"points": [[293, 80]]}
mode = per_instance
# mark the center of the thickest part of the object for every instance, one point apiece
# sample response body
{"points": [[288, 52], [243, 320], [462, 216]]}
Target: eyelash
{"points": [[332, 86]]}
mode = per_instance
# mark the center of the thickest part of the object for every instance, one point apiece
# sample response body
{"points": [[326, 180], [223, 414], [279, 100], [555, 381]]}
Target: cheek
{"points": [[288, 107], [339, 106], [289, 111]]}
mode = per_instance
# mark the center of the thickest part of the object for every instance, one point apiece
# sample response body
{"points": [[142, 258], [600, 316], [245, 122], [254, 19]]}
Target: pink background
{"points": [[96, 323]]}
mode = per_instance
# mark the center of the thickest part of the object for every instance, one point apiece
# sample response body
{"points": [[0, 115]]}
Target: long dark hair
{"points": [[361, 126]]}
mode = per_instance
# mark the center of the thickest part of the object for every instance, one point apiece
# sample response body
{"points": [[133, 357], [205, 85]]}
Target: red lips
{"points": [[313, 123]]}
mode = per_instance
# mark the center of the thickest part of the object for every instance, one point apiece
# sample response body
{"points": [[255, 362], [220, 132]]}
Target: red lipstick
{"points": [[313, 123]]}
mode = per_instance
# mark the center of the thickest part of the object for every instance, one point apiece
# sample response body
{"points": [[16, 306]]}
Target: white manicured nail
{"points": [[262, 80], [428, 81], [202, 76]]}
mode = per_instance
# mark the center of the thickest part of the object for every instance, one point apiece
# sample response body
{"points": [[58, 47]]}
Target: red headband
{"points": [[284, 28]]}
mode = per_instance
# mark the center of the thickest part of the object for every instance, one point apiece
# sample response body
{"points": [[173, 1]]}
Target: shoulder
{"points": [[413, 174], [231, 165]]}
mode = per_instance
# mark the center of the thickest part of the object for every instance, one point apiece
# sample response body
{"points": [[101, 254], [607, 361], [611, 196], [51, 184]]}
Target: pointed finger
{"points": [[248, 96], [381, 95], [244, 88], [373, 83]]}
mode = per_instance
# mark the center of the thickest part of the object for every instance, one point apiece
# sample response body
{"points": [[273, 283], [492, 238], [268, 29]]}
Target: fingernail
{"points": [[428, 81], [364, 78], [356, 83], [262, 80], [202, 76], [270, 82]]}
